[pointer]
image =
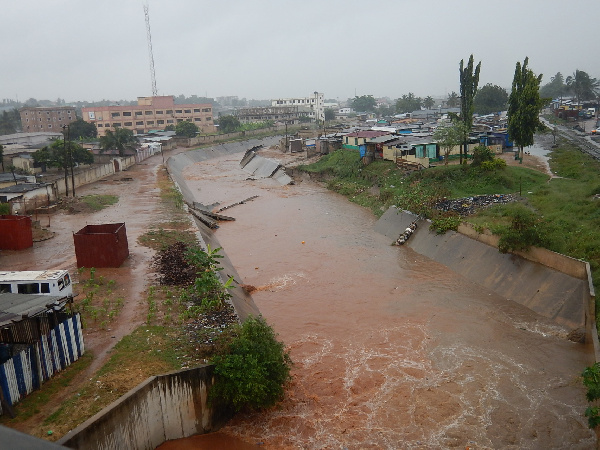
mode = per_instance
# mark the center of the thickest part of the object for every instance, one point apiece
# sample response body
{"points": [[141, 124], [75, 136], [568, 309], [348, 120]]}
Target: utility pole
{"points": [[71, 159], [64, 127]]}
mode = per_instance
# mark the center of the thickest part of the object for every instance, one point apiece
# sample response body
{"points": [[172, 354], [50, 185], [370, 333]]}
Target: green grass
{"points": [[99, 202]]}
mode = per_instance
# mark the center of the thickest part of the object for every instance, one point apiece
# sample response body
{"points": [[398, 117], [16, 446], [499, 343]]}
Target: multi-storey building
{"points": [[288, 114], [151, 113], [313, 104], [52, 118]]}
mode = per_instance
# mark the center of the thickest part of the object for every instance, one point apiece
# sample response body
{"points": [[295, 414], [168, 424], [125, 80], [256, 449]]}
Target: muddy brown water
{"points": [[391, 349]]}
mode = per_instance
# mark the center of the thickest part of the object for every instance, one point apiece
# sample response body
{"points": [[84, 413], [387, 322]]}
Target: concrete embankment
{"points": [[164, 407], [242, 302], [566, 296]]}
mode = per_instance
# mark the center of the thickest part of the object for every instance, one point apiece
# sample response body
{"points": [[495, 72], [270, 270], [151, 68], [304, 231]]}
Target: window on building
{"points": [[150, 122], [138, 131], [208, 119], [206, 109], [47, 113], [116, 124], [160, 122], [169, 111], [159, 112], [28, 288], [188, 111], [69, 112], [196, 110], [115, 114], [355, 141], [26, 120], [197, 119], [179, 120], [70, 118], [141, 122], [126, 113], [170, 121], [49, 119], [107, 125], [178, 111], [148, 113], [99, 125], [49, 125], [138, 113], [128, 124]]}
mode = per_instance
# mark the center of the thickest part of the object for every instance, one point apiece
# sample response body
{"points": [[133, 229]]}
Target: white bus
{"points": [[45, 282]]}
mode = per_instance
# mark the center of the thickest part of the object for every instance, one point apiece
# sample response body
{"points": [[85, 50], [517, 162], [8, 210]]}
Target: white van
{"points": [[45, 282]]}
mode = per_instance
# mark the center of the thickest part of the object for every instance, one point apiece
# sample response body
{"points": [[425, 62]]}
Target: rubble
{"points": [[469, 205], [172, 266]]}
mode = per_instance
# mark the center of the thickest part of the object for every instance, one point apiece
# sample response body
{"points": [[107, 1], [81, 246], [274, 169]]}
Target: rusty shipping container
{"points": [[102, 245], [15, 232]]}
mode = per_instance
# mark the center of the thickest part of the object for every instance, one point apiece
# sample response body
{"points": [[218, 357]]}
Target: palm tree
{"points": [[582, 86], [428, 102], [120, 139], [453, 100]]}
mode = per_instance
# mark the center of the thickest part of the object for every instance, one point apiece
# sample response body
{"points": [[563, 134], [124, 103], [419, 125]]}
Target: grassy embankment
{"points": [[567, 211], [158, 346]]}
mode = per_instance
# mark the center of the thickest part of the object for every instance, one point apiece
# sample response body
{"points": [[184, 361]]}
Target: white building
{"points": [[313, 104]]}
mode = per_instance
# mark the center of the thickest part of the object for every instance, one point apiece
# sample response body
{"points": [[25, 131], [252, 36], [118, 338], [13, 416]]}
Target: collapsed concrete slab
{"points": [[261, 167], [553, 294]]}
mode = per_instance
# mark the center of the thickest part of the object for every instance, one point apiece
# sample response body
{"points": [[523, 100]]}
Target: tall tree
{"points": [[364, 103], [428, 102], [452, 101], [469, 80], [186, 129], [228, 124], [582, 86], [489, 99], [120, 139], [524, 106], [80, 129], [408, 103], [449, 136], [329, 114], [555, 88], [2, 156]]}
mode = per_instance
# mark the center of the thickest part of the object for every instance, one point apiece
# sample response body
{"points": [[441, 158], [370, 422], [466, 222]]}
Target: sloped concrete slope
{"points": [[548, 292]]}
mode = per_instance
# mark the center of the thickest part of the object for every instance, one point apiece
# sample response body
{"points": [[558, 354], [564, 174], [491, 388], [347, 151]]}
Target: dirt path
{"points": [[138, 207]]}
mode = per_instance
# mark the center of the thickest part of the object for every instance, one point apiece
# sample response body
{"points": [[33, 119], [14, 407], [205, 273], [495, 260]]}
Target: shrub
{"points": [[481, 154], [490, 166], [523, 231], [441, 224], [591, 380], [4, 209], [253, 369]]}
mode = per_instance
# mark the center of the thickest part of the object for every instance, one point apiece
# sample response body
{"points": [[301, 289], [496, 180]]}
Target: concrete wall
{"points": [[163, 408], [534, 282]]}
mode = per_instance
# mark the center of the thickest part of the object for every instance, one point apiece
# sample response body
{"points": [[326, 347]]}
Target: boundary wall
{"points": [[553, 285], [164, 407]]}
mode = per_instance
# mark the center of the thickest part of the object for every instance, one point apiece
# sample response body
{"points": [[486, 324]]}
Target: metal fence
{"points": [[30, 368]]}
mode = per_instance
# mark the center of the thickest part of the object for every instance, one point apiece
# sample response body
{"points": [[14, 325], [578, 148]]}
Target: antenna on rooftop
{"points": [[150, 54]]}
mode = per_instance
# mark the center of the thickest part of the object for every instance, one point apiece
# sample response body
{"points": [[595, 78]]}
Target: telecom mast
{"points": [[150, 54]]}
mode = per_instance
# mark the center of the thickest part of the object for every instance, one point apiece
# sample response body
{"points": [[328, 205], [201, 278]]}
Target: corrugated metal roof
{"points": [[14, 306], [380, 139], [25, 187]]}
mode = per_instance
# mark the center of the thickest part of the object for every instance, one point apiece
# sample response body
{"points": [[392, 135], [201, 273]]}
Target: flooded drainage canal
{"points": [[391, 349]]}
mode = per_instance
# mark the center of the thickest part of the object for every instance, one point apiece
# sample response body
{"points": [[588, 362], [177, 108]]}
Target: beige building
{"points": [[151, 113], [52, 118]]}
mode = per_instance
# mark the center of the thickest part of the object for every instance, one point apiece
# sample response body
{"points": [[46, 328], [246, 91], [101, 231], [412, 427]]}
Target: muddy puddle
{"points": [[391, 349]]}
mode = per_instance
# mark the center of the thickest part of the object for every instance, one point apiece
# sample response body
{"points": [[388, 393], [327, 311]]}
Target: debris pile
{"points": [[407, 233], [469, 205], [172, 266]]}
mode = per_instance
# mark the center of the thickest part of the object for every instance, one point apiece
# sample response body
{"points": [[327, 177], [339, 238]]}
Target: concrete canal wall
{"points": [[553, 285], [163, 408]]}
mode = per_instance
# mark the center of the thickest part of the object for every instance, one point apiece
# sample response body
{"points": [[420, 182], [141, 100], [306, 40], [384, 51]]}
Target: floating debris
{"points": [[469, 205]]}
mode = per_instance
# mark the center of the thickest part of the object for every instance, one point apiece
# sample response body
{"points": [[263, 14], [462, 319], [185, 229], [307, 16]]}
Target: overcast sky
{"points": [[264, 49]]}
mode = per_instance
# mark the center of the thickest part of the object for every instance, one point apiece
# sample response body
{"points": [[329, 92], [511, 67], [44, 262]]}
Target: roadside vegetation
{"points": [[98, 202]]}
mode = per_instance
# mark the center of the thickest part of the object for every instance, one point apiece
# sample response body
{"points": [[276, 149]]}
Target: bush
{"points": [[441, 224], [481, 154], [253, 370], [490, 166], [4, 209], [591, 380], [523, 231]]}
